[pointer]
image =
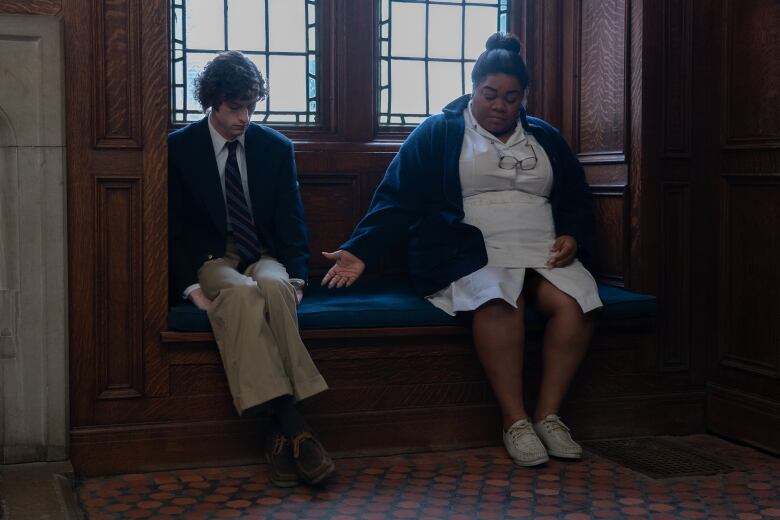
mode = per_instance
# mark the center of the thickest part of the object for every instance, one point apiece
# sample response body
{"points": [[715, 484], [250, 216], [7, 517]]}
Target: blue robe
{"points": [[419, 203]]}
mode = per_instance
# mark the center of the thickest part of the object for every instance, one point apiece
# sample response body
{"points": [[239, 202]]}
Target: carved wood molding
{"points": [[677, 82], [600, 66], [118, 290], [749, 281], [117, 101], [40, 7], [610, 202], [750, 79], [675, 298]]}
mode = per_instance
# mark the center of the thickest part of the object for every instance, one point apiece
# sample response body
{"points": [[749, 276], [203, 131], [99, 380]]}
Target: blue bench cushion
{"points": [[391, 302]]}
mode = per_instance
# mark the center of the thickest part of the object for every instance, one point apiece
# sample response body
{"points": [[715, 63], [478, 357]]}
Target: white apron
{"points": [[511, 208]]}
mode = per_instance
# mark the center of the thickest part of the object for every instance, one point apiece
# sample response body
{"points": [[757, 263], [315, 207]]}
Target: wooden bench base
{"points": [[391, 391]]}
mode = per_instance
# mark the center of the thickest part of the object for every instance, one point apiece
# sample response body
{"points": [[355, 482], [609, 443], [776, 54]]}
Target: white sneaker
{"points": [[555, 435], [523, 445]]}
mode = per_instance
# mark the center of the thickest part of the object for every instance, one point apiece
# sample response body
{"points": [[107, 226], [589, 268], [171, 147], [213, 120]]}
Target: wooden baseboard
{"points": [[149, 447], [744, 417]]}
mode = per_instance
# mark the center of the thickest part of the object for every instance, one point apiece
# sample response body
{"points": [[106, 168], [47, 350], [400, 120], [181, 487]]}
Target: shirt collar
{"points": [[218, 141], [471, 122]]}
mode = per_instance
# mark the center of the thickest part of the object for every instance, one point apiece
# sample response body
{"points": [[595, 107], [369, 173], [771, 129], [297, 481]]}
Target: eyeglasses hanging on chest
{"points": [[511, 162]]}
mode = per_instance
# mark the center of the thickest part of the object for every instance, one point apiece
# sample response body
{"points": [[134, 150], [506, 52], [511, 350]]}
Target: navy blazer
{"points": [[197, 216], [420, 202]]}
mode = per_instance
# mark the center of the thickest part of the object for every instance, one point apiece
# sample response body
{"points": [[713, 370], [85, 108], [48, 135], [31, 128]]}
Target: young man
{"points": [[238, 250]]}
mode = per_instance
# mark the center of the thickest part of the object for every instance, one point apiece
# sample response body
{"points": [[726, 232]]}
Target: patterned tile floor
{"points": [[468, 484]]}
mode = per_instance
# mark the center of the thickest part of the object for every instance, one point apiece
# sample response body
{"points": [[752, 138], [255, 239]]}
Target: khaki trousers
{"points": [[253, 316]]}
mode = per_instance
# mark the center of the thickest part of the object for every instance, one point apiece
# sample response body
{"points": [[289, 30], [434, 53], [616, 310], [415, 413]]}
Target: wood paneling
{"points": [[750, 278], [601, 118], [43, 7], [675, 299], [333, 204], [117, 77], [118, 302], [730, 410], [544, 47], [155, 67], [610, 233], [751, 50], [677, 50]]}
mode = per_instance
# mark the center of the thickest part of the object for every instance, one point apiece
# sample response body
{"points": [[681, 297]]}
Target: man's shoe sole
{"points": [[284, 483], [322, 475]]}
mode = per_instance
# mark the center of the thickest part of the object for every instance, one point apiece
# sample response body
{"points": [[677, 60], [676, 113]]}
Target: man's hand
{"points": [[199, 299], [345, 271], [564, 250]]}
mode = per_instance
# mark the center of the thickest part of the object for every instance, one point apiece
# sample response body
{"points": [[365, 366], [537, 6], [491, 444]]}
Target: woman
{"points": [[496, 211]]}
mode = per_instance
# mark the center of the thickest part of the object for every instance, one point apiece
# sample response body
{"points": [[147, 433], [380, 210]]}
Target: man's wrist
{"points": [[297, 283]]}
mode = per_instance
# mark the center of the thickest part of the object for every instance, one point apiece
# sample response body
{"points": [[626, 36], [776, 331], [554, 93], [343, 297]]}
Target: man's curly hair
{"points": [[230, 76]]}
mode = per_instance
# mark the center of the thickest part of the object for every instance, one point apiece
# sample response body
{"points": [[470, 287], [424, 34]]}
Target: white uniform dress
{"points": [[512, 210]]}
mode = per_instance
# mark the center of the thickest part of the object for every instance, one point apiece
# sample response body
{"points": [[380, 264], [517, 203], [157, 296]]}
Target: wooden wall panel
{"points": [[543, 40], [675, 297], [751, 49], [43, 7], [155, 66], [750, 278], [117, 78], [676, 103], [118, 303], [334, 201], [610, 233], [601, 127]]}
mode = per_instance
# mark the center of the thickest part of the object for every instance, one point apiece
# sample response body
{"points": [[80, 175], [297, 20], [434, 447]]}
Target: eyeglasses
{"points": [[509, 162]]}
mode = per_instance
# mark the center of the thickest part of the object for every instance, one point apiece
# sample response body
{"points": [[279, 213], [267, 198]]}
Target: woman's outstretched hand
{"points": [[563, 252], [345, 271]]}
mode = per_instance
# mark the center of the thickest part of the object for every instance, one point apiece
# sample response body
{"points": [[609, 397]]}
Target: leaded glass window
{"points": [[427, 51], [280, 36]]}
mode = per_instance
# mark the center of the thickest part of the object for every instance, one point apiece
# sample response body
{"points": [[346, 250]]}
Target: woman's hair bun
{"points": [[503, 41]]}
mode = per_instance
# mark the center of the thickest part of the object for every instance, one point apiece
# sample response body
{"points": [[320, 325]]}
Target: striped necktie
{"points": [[244, 231]]}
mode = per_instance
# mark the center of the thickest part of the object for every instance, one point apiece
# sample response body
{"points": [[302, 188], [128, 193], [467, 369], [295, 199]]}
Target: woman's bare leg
{"points": [[499, 337], [566, 338]]}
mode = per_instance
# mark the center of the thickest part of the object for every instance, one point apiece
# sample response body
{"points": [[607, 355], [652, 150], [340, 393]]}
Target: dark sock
{"points": [[290, 420]]}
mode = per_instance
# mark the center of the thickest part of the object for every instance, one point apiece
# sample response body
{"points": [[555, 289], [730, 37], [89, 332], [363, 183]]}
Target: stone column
{"points": [[33, 297]]}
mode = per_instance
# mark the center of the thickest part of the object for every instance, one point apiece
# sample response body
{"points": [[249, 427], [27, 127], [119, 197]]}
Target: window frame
{"points": [[348, 101]]}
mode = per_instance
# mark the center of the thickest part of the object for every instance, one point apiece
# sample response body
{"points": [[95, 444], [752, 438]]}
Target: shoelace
{"points": [[296, 443], [553, 425], [517, 432], [279, 444]]}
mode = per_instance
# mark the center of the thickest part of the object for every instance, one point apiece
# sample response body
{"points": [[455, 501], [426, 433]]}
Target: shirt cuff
{"points": [[297, 283], [189, 290]]}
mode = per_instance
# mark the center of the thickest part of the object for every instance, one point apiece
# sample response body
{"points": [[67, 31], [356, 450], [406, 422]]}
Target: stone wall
{"points": [[33, 297]]}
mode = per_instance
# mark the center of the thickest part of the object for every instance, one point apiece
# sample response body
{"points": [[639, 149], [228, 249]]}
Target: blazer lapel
{"points": [[206, 175], [257, 169]]}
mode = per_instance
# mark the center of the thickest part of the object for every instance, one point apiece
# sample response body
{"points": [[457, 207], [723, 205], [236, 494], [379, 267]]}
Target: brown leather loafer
{"points": [[312, 461], [282, 470]]}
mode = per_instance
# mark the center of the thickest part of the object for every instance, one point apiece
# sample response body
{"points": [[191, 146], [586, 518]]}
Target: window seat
{"points": [[389, 302]]}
